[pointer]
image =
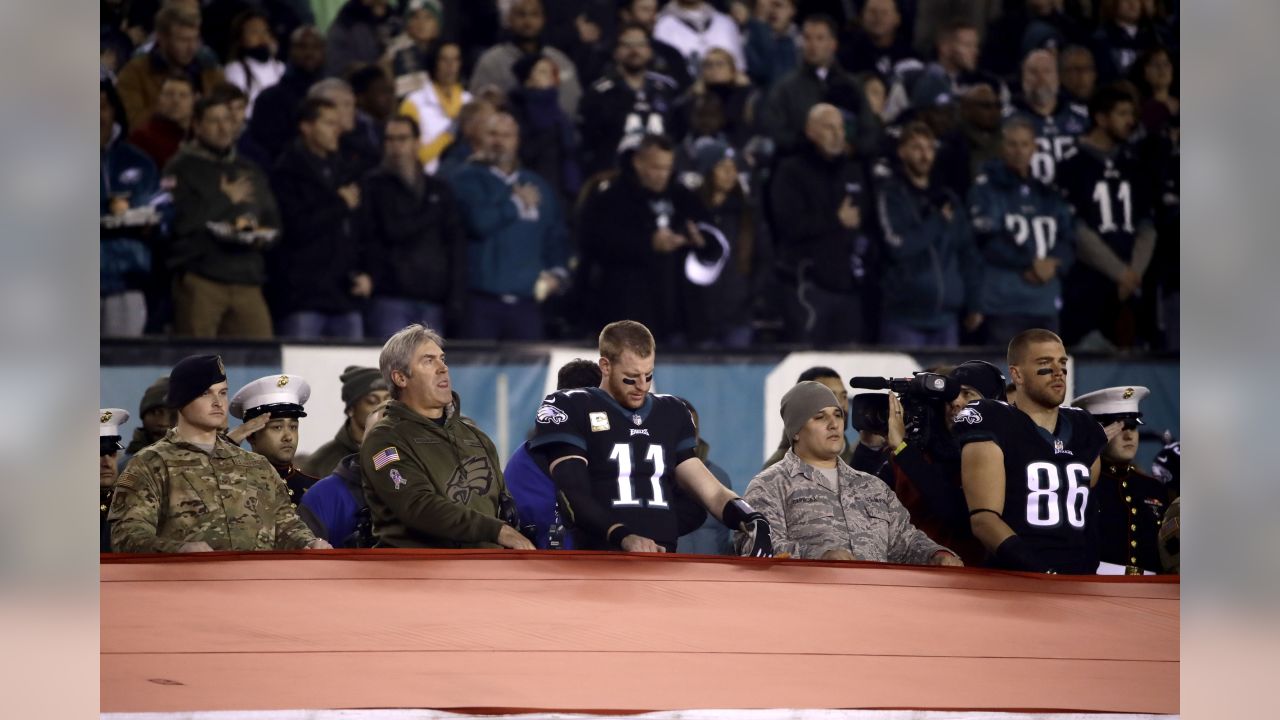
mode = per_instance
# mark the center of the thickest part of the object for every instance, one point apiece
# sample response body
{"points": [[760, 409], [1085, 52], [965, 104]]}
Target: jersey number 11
{"points": [[626, 493]]}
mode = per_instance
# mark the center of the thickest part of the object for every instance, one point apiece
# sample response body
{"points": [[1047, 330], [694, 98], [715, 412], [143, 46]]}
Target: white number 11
{"points": [[626, 493]]}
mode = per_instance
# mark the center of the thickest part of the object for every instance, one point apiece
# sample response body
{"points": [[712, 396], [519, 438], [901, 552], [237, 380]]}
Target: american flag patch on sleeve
{"points": [[385, 458]]}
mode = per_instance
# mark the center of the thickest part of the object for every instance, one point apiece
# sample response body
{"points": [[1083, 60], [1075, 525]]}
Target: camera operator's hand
{"points": [[897, 426]]}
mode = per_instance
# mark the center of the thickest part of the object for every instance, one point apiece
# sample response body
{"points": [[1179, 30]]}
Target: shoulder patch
{"points": [[599, 421], [385, 457], [549, 414], [968, 415], [127, 481]]}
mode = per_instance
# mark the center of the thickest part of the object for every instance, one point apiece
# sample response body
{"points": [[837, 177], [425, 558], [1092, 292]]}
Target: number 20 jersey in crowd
{"points": [[1046, 490], [631, 455]]}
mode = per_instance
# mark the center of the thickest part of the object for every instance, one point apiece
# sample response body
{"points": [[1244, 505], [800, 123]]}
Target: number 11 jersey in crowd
{"points": [[631, 455], [1046, 492]]}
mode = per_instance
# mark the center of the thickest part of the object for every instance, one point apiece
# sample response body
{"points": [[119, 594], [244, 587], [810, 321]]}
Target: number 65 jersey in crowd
{"points": [[631, 455], [1046, 487]]}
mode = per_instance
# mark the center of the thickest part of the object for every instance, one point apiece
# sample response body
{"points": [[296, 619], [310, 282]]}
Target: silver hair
{"points": [[397, 353], [326, 87]]}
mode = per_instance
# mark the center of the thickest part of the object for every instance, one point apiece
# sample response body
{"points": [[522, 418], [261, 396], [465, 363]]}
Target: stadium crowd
{"points": [[903, 173]]}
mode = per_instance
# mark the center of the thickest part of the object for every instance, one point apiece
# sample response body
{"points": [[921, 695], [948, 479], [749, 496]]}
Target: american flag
{"points": [[385, 458]]}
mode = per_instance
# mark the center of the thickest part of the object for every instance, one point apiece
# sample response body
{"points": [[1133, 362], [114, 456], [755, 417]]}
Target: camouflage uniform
{"points": [[173, 492], [430, 484], [807, 517]]}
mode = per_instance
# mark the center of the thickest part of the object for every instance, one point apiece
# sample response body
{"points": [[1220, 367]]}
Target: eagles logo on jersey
{"points": [[1047, 478], [631, 455]]}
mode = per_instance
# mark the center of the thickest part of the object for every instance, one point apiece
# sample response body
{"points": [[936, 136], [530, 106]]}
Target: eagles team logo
{"points": [[284, 380], [551, 415], [968, 415]]}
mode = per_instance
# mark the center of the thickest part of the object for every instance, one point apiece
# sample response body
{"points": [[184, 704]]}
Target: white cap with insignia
{"points": [[277, 395], [1115, 403], [109, 422]]}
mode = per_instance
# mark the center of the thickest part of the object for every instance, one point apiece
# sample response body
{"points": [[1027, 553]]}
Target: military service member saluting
{"points": [[1131, 504], [276, 402], [194, 491], [109, 422]]}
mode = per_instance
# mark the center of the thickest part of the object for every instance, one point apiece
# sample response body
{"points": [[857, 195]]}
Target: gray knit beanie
{"points": [[802, 402]]}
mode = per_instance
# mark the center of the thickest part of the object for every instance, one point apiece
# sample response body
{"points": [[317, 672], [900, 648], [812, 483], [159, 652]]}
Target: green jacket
{"points": [[326, 457], [431, 485], [173, 492]]}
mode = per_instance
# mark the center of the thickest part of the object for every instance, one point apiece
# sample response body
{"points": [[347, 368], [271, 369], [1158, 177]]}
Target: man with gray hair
{"points": [[431, 477], [1055, 121], [359, 143], [819, 508]]}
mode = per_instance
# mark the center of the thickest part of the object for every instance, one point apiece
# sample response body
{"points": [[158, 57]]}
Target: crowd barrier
{"points": [[505, 632]]}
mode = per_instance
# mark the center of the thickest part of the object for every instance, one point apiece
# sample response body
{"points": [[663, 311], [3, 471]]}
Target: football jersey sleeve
{"points": [[686, 437], [560, 429], [979, 421]]}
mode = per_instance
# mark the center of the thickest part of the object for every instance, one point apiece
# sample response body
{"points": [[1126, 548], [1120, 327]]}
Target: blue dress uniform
{"points": [[280, 396], [1131, 504], [109, 445]]}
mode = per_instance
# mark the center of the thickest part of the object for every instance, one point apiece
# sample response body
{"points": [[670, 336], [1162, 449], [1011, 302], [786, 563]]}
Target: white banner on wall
{"points": [[321, 366]]}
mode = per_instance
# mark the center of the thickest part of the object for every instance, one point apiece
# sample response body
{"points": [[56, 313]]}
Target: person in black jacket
{"points": [[819, 203], [414, 242], [273, 124], [636, 232], [318, 266]]}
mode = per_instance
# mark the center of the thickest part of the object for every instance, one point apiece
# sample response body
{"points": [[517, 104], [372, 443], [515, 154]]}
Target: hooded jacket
{"points": [[431, 485]]}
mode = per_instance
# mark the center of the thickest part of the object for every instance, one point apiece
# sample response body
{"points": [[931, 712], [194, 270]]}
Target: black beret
{"points": [[192, 376]]}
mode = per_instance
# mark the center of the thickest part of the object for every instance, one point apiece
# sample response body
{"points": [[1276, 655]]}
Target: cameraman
{"points": [[926, 476]]}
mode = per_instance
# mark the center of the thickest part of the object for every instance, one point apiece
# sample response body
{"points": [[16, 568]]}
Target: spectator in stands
{"points": [[819, 200], [875, 44], [635, 233], [710, 537], [363, 390], [218, 276], [531, 487], [1026, 234], [853, 454], [666, 59], [156, 418], [718, 314], [252, 65], [472, 124], [245, 144], [360, 33], [773, 42], [320, 259], [415, 245], [721, 79], [819, 508], [518, 248], [358, 144], [525, 22], [980, 126], [408, 59], [334, 508], [957, 44], [375, 98], [269, 408], [1125, 30], [629, 100], [548, 140], [128, 179], [274, 124], [926, 474], [932, 270], [1076, 68], [695, 27], [1115, 235], [430, 476], [160, 136], [1022, 27], [934, 104], [1153, 75], [819, 79], [177, 43], [1057, 123], [160, 504], [437, 106], [1131, 504], [283, 18]]}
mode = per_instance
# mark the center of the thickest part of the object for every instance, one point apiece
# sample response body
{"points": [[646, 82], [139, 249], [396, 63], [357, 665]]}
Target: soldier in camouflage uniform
{"points": [[820, 508], [193, 491]]}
